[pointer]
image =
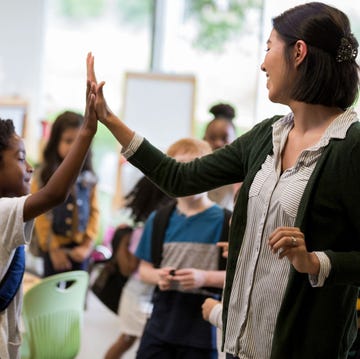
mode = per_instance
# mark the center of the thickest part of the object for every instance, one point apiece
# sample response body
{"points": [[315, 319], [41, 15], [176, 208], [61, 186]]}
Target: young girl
{"points": [[18, 208], [135, 303], [219, 132], [66, 234]]}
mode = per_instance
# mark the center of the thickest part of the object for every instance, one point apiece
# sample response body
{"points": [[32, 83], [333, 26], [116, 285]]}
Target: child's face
{"points": [[15, 171], [67, 139], [219, 133]]}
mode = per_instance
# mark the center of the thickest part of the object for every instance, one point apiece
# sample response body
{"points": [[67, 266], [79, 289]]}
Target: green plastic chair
{"points": [[53, 316]]}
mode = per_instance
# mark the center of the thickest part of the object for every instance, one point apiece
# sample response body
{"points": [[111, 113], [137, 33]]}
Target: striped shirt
{"points": [[261, 278]]}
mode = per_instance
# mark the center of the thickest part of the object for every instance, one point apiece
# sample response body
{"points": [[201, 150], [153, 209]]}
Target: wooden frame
{"points": [[16, 109]]}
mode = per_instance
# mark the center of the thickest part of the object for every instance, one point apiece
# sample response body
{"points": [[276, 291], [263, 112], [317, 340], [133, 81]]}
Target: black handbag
{"points": [[109, 283]]}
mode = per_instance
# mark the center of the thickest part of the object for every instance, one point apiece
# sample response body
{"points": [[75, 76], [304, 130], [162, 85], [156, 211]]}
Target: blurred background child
{"points": [[221, 131], [136, 298], [189, 266], [66, 234]]}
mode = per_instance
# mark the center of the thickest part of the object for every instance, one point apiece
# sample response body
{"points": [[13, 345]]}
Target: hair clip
{"points": [[347, 49]]}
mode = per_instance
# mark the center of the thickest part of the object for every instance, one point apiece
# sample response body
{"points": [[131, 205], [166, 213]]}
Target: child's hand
{"points": [[225, 248], [90, 72], [60, 260], [207, 307], [90, 118], [80, 253], [190, 278], [165, 278]]}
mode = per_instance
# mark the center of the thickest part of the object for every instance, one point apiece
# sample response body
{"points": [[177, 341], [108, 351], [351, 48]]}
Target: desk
{"points": [[29, 281]]}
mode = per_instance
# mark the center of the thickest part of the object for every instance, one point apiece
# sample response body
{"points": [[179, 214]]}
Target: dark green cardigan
{"points": [[312, 322]]}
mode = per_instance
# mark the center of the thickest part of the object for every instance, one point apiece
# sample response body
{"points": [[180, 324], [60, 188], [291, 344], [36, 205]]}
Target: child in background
{"points": [[221, 131], [136, 299], [66, 234], [18, 209], [189, 263]]}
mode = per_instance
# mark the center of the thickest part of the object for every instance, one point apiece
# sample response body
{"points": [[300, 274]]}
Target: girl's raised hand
{"points": [[121, 132], [90, 72], [101, 108], [90, 117]]}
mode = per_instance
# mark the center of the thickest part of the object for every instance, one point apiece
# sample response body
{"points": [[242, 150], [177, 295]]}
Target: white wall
{"points": [[21, 58]]}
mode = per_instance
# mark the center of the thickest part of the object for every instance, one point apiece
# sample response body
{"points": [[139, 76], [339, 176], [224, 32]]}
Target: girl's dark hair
{"points": [[325, 76], [7, 130], [144, 198], [51, 158], [223, 110]]}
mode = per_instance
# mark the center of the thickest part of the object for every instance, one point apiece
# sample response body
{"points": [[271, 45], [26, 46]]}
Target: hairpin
{"points": [[347, 49]]}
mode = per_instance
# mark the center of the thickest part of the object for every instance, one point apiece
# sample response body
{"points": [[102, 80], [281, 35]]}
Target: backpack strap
{"points": [[12, 280], [160, 224], [224, 237]]}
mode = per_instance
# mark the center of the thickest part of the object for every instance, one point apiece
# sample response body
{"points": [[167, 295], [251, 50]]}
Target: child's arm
{"points": [[190, 278], [126, 261], [212, 312], [57, 188]]}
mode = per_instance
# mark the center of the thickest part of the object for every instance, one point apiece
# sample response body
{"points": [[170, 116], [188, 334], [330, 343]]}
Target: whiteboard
{"points": [[160, 107]]}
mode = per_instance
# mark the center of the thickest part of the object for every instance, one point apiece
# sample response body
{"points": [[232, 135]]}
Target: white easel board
{"points": [[159, 106]]}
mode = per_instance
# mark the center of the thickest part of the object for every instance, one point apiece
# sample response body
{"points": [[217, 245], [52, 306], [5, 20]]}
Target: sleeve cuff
{"points": [[133, 146], [215, 317], [325, 268]]}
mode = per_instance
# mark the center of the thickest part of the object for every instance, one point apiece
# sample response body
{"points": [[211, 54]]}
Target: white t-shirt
{"points": [[13, 233]]}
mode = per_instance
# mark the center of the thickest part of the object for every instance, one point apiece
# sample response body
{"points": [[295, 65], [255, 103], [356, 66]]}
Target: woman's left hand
{"points": [[290, 242]]}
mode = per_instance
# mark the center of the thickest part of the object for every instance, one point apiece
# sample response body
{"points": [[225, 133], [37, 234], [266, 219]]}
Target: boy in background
{"points": [[189, 266]]}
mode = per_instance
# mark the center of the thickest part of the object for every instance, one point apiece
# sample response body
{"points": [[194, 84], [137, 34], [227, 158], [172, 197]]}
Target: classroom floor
{"points": [[101, 328]]}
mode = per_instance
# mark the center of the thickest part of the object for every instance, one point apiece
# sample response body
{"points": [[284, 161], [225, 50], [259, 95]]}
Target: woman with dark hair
{"points": [[293, 267], [67, 233]]}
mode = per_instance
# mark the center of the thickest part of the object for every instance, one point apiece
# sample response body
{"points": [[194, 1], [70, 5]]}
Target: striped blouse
{"points": [[261, 278]]}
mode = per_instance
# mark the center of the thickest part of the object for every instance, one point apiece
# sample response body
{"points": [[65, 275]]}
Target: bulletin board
{"points": [[159, 107], [15, 109]]}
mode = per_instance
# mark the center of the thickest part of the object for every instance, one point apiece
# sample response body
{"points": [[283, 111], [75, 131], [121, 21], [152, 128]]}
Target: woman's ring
{"points": [[293, 241]]}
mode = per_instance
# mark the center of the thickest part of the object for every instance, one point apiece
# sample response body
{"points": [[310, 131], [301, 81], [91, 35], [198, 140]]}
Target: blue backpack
{"points": [[12, 280]]}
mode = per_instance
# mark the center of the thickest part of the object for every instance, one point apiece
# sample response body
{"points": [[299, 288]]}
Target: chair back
{"points": [[53, 316]]}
